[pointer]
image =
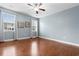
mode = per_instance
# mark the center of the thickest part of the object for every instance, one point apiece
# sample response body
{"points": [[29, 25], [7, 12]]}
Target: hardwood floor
{"points": [[37, 46]]}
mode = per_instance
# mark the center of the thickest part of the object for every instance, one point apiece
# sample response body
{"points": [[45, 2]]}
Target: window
{"points": [[8, 21]]}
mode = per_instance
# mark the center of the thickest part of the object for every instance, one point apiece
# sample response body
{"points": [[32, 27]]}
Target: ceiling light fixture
{"points": [[36, 7]]}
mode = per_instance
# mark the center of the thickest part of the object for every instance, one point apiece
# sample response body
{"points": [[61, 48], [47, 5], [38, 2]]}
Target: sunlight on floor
{"points": [[9, 51], [34, 48]]}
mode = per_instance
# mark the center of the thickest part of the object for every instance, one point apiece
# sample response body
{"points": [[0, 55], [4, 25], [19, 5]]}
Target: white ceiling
{"points": [[51, 8]]}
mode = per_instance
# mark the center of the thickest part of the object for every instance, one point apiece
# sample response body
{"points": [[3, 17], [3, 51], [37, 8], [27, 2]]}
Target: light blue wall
{"points": [[0, 27], [8, 34], [21, 32], [63, 25]]}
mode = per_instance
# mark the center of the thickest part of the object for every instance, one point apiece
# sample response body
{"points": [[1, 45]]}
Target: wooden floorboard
{"points": [[37, 46]]}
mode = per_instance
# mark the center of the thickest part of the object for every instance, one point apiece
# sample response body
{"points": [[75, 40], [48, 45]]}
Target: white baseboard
{"points": [[7, 40], [14, 39], [23, 38], [60, 41], [17, 39], [34, 36]]}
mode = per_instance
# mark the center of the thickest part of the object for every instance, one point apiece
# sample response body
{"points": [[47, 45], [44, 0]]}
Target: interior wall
{"points": [[0, 26], [63, 25], [22, 32]]}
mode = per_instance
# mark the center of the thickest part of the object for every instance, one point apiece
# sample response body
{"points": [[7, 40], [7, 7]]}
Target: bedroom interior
{"points": [[39, 29]]}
